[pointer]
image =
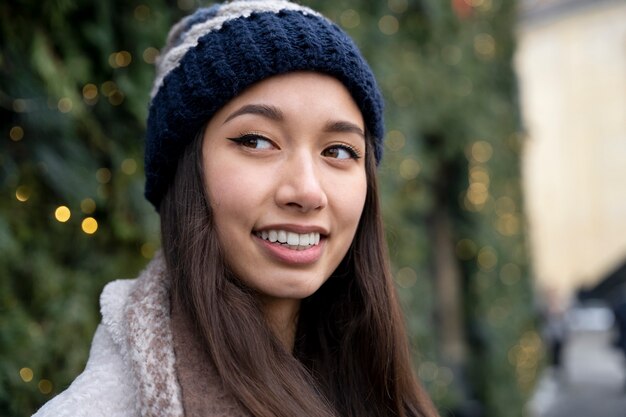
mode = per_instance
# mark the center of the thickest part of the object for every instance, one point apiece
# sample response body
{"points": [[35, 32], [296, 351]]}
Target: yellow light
{"points": [[65, 105], [62, 214], [485, 45], [20, 105], [487, 258], [508, 225], [350, 19], [89, 225], [16, 133], [22, 193], [481, 151], [103, 175], [129, 166], [388, 25], [398, 6], [505, 205], [479, 174], [147, 250], [510, 274], [45, 386], [409, 169], [90, 91], [88, 206], [112, 62], [406, 277], [150, 55], [108, 87], [26, 374], [477, 194], [116, 98], [395, 140], [123, 59]]}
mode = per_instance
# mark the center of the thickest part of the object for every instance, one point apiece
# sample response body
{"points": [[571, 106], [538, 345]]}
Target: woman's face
{"points": [[284, 166]]}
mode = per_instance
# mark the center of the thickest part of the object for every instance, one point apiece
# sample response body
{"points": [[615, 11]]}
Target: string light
{"points": [[395, 140], [90, 93], [88, 206], [398, 6], [487, 258], [150, 55], [16, 133], [19, 105], [147, 250], [510, 274], [409, 169], [388, 25], [108, 87], [103, 175], [485, 45], [26, 374], [89, 225], [350, 19], [116, 98], [481, 151], [129, 166], [120, 59], [22, 193], [45, 386], [65, 105], [62, 214]]}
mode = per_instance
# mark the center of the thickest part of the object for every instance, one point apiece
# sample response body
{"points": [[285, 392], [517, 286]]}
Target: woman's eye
{"points": [[341, 152], [253, 141]]}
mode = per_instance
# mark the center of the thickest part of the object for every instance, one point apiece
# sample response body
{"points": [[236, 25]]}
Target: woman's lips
{"points": [[298, 254]]}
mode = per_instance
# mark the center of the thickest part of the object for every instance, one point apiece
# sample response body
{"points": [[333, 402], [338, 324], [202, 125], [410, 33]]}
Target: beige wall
{"points": [[572, 73]]}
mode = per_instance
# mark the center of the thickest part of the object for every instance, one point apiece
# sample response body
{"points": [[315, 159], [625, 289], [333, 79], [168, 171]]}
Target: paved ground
{"points": [[592, 383]]}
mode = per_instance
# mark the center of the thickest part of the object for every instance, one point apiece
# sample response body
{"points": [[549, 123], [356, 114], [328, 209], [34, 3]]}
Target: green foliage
{"points": [[74, 85]]}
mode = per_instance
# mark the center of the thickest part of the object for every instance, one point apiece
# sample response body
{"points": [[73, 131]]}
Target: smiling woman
{"points": [[273, 295]]}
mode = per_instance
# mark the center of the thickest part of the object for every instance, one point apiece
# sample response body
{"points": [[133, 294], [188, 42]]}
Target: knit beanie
{"points": [[214, 54]]}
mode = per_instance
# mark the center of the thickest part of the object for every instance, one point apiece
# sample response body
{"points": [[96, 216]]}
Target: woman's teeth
{"points": [[290, 239]]}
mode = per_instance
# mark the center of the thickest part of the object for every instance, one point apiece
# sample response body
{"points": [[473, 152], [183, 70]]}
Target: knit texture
{"points": [[216, 53]]}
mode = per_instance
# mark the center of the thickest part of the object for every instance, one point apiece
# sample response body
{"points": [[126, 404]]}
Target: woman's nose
{"points": [[300, 185]]}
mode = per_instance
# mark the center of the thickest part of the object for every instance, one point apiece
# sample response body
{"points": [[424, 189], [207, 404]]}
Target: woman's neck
{"points": [[282, 316]]}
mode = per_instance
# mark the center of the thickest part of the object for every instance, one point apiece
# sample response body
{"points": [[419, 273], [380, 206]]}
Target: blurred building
{"points": [[571, 63]]}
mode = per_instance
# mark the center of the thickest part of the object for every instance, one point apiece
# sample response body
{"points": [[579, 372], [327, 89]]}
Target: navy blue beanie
{"points": [[214, 54]]}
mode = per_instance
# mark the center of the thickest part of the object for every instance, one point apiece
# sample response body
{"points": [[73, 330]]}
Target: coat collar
{"points": [[137, 315]]}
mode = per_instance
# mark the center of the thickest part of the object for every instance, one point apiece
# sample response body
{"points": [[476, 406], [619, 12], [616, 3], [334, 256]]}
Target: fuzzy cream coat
{"points": [[131, 370]]}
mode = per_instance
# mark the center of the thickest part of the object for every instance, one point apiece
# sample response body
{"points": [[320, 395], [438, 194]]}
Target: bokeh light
{"points": [[62, 214]]}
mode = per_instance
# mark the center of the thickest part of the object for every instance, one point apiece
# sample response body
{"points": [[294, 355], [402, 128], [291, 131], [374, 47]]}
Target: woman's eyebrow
{"points": [[264, 110], [342, 126]]}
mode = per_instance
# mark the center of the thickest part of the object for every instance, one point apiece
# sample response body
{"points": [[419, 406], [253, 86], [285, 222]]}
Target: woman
{"points": [[273, 295]]}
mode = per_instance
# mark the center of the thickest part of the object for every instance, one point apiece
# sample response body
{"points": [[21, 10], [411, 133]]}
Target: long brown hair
{"points": [[351, 355]]}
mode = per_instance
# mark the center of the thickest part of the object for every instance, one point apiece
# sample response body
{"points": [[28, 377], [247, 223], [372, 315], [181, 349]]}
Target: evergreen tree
{"points": [[74, 85]]}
